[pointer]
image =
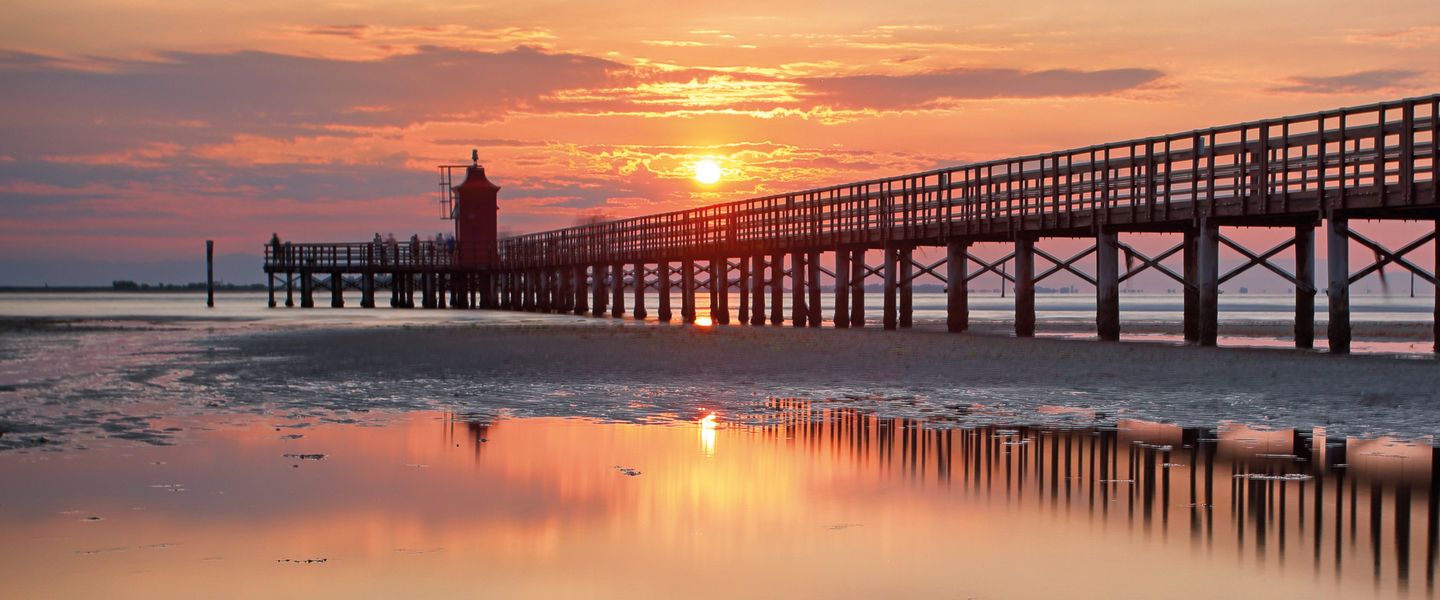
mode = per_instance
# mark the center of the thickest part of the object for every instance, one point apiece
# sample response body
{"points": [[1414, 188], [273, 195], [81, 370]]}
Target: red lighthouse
{"points": [[475, 214]]}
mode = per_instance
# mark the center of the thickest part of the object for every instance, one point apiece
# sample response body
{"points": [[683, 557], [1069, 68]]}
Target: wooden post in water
{"points": [[744, 290], [663, 288], [812, 279], [857, 287], [639, 312], [757, 288], [210, 276], [617, 290], [1190, 292], [716, 274], [798, 313], [1024, 287], [842, 288], [1207, 277], [367, 289], [1435, 321], [1107, 284], [598, 274], [1305, 286], [687, 290], [307, 299], [891, 268], [337, 290], [907, 287], [720, 309], [957, 293], [1337, 241], [582, 303], [777, 289]]}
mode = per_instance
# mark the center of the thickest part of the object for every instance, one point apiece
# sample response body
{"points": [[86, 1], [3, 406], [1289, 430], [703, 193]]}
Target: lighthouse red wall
{"points": [[476, 208]]}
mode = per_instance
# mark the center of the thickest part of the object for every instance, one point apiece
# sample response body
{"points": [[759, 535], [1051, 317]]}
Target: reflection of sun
{"points": [[707, 435], [707, 171], [703, 321]]}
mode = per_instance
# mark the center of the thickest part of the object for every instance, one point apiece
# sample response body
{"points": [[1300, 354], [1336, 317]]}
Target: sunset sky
{"points": [[132, 131]]}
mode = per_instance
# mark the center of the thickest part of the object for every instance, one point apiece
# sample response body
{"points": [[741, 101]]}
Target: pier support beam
{"points": [[720, 308], [842, 288], [1337, 242], [663, 288], [582, 304], [270, 279], [907, 287], [857, 287], [307, 298], [1435, 322], [1207, 277], [777, 289], [337, 291], [289, 288], [1107, 284], [891, 270], [957, 293], [687, 290], [1190, 292], [812, 279], [744, 291], [617, 290], [639, 312], [598, 299], [1024, 287], [757, 289], [798, 313], [1305, 288], [367, 290]]}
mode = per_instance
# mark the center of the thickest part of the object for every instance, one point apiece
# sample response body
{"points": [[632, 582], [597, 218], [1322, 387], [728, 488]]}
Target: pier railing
{"points": [[359, 257], [1378, 156]]}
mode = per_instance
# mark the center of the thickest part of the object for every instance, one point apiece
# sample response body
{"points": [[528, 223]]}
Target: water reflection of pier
{"points": [[1271, 496]]}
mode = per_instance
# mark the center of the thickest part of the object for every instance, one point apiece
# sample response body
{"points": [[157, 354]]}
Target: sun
{"points": [[707, 171]]}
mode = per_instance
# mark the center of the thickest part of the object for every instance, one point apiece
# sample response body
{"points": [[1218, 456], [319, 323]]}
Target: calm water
{"points": [[806, 502]]}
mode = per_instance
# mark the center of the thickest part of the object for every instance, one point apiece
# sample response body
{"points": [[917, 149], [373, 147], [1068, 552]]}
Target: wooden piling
{"points": [[757, 288], [337, 291], [1337, 242], [270, 280], [210, 276], [720, 309], [687, 290], [889, 317], [1191, 292], [1435, 320], [777, 289], [812, 280], [842, 288], [582, 303], [907, 287], [617, 290], [1107, 284], [289, 288], [716, 274], [743, 295], [307, 299], [599, 277], [367, 290], [663, 287], [1207, 277], [957, 293], [1305, 286], [1024, 287], [857, 287], [639, 311], [798, 312]]}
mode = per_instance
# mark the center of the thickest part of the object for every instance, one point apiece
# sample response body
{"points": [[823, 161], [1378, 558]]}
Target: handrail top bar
{"points": [[1214, 129]]}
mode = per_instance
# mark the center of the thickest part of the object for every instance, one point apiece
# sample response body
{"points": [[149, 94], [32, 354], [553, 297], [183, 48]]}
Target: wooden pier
{"points": [[1297, 173]]}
